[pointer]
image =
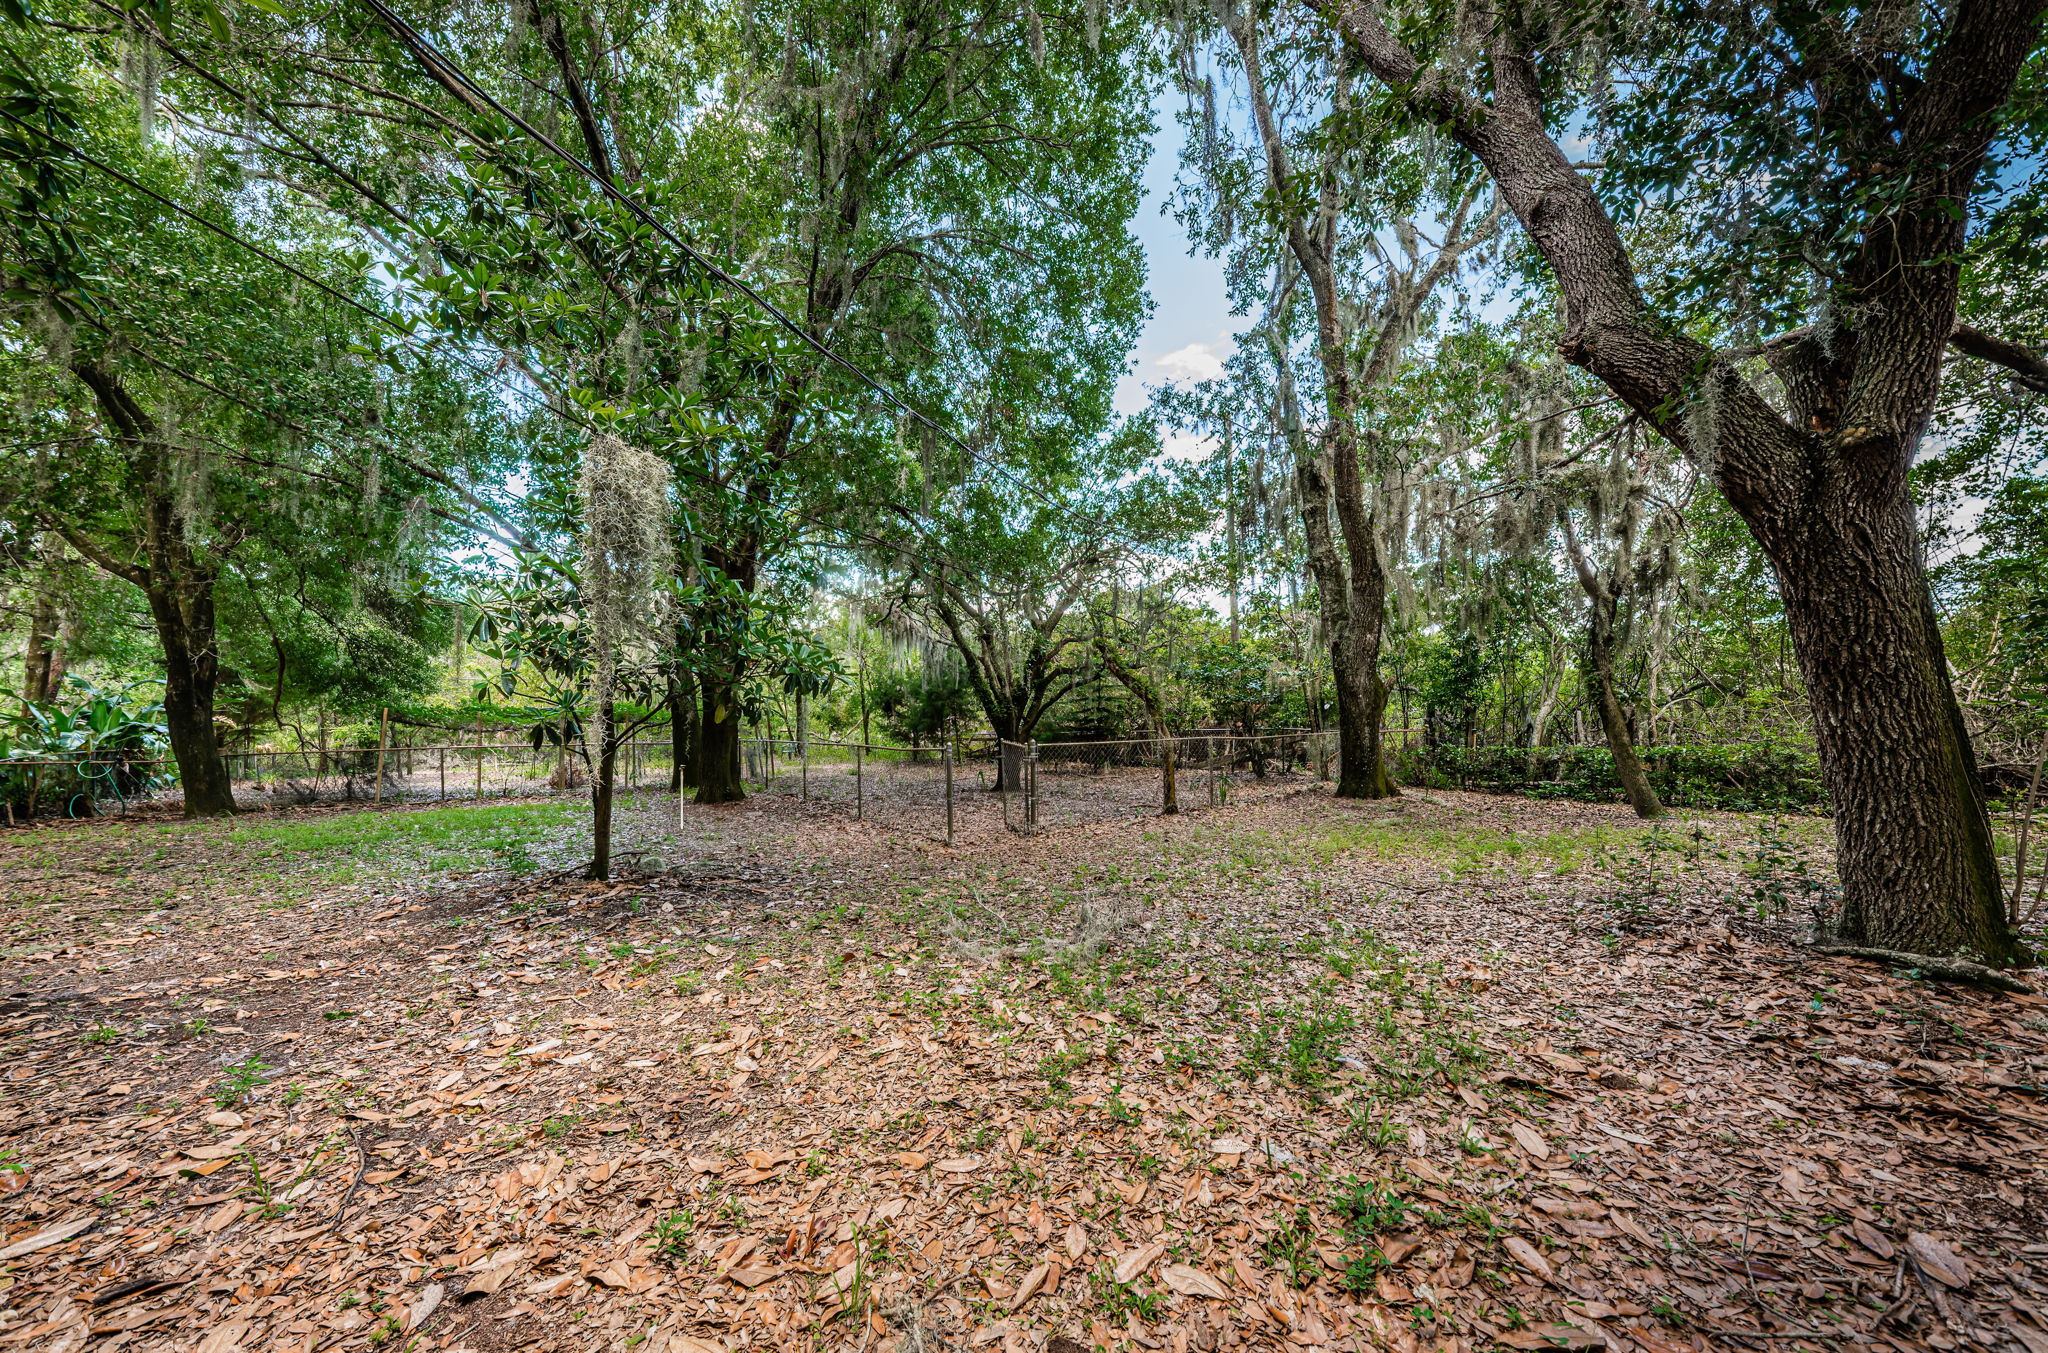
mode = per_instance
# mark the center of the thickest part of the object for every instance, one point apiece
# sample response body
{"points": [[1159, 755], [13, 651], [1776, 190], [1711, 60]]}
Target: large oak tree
{"points": [[1832, 157]]}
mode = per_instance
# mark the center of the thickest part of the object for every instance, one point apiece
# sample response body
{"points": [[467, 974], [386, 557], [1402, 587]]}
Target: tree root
{"points": [[1960, 970]]}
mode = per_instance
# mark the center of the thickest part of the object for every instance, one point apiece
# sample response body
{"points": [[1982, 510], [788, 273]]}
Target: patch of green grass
{"points": [[1469, 850], [1292, 1247], [1301, 1045], [456, 838], [672, 1235], [1125, 1298], [1059, 1067], [1362, 1274]]}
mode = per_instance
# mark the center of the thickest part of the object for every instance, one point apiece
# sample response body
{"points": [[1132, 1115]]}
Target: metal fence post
{"points": [[479, 760], [860, 795], [1031, 784], [949, 795], [443, 757], [383, 733]]}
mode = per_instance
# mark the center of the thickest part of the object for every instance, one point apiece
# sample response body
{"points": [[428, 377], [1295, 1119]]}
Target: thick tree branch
{"points": [[551, 33], [2029, 368]]}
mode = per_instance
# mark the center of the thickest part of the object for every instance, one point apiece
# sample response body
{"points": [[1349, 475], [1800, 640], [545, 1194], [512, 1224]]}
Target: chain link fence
{"points": [[915, 789], [444, 771], [1064, 784], [976, 788]]}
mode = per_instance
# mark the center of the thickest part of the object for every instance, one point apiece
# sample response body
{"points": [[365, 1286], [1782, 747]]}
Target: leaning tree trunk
{"points": [[601, 798], [191, 672], [1539, 721], [1914, 844], [717, 762], [1628, 767]]}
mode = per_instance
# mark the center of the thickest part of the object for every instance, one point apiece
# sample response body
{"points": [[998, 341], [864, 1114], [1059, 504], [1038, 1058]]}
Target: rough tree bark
{"points": [[42, 660], [1824, 487], [1355, 681], [718, 744], [178, 585], [682, 733]]}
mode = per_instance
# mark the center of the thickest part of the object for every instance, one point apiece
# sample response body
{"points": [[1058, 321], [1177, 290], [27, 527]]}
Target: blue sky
{"points": [[1191, 324]]}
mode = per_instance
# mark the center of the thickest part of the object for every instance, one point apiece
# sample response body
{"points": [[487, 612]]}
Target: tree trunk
{"points": [[191, 671], [1135, 682], [51, 630], [682, 734], [178, 586], [1354, 666], [717, 762], [42, 661], [1628, 767], [601, 799], [1914, 845], [1009, 763], [1604, 590], [1539, 718]]}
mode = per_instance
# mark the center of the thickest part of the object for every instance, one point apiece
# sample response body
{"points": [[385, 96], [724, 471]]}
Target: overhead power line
{"points": [[451, 77], [456, 81], [467, 91]]}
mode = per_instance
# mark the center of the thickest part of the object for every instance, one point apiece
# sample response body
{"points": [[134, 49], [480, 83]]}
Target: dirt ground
{"points": [[1447, 1073]]}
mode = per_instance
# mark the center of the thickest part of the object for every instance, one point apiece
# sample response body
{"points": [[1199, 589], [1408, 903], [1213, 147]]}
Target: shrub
{"points": [[1742, 777]]}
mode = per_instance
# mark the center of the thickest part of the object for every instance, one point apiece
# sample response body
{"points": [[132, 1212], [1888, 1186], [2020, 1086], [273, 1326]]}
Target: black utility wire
{"points": [[466, 90], [452, 78], [75, 153]]}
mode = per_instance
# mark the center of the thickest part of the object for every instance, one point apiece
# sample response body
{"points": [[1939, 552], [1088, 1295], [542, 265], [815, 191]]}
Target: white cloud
{"points": [[1185, 446], [1195, 362]]}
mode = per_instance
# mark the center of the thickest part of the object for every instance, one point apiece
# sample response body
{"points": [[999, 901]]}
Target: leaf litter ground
{"points": [[1455, 1072]]}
